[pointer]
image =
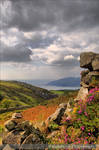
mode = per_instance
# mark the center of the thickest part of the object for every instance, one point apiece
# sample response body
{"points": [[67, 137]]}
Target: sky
{"points": [[43, 39]]}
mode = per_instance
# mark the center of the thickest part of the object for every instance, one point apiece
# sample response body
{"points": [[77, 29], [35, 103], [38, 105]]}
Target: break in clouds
{"points": [[44, 38]]}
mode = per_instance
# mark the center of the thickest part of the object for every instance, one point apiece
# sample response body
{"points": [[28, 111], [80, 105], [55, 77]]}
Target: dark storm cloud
{"points": [[44, 15], [15, 54], [66, 15], [29, 15], [38, 41], [81, 14]]}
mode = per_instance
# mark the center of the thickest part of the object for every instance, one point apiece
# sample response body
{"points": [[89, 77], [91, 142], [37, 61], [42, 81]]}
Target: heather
{"points": [[82, 126]]}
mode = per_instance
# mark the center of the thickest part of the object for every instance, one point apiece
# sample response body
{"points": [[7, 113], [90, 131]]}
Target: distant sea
{"points": [[43, 84]]}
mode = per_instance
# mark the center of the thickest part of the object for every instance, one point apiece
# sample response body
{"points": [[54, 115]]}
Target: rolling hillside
{"points": [[16, 94]]}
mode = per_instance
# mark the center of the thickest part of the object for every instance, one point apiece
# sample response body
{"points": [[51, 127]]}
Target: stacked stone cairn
{"points": [[90, 76]]}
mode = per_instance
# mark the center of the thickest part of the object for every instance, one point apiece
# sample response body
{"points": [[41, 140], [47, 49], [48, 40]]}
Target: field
{"points": [[12, 94], [16, 94], [63, 97]]}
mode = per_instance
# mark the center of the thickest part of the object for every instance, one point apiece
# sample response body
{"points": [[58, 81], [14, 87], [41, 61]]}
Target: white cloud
{"points": [[68, 57], [28, 35], [78, 58], [9, 41]]}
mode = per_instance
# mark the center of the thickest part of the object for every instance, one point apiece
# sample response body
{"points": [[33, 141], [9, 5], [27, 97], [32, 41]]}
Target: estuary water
{"points": [[48, 87]]}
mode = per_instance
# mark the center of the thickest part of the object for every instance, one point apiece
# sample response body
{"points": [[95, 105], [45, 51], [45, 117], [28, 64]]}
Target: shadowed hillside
{"points": [[16, 94]]}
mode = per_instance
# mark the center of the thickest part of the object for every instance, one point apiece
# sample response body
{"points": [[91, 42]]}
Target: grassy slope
{"points": [[63, 97], [42, 112], [16, 93], [20, 94]]}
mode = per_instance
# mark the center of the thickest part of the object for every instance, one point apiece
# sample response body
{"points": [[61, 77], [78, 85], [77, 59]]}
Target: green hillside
{"points": [[16, 94]]}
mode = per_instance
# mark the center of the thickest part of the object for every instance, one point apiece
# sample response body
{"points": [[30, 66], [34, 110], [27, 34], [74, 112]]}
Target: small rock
{"points": [[53, 134], [17, 116], [82, 94], [62, 105], [10, 125], [84, 85], [68, 110]]}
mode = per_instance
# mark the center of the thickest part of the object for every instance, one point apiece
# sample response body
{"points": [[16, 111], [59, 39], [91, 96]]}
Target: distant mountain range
{"points": [[70, 82]]}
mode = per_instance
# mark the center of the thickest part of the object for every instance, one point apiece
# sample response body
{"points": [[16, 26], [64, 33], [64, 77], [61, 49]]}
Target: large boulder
{"points": [[86, 59], [84, 73], [57, 116], [89, 60], [24, 125], [88, 79], [95, 64]]}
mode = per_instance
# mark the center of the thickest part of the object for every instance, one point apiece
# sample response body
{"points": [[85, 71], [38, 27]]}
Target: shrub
{"points": [[53, 126], [94, 81], [84, 127], [6, 103]]}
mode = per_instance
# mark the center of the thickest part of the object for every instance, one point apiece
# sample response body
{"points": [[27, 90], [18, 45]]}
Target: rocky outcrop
{"points": [[89, 77], [90, 61], [83, 92], [21, 133], [57, 116], [95, 64]]}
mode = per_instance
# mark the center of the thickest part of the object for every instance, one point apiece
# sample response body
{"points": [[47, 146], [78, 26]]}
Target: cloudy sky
{"points": [[42, 39]]}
